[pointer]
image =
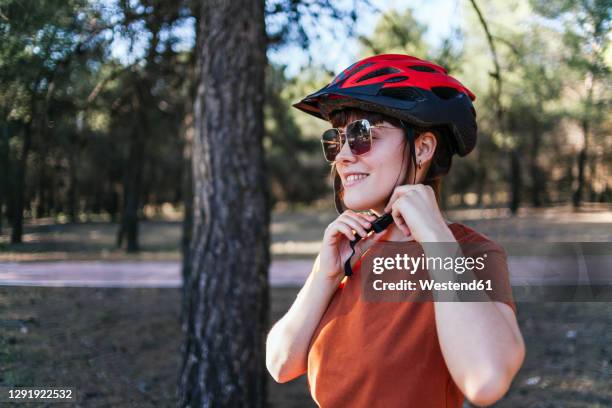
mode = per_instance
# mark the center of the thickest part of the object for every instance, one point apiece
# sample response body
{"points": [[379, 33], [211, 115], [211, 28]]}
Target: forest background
{"points": [[96, 102]]}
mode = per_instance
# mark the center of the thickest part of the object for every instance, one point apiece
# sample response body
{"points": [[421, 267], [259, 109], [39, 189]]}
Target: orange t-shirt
{"points": [[387, 354]]}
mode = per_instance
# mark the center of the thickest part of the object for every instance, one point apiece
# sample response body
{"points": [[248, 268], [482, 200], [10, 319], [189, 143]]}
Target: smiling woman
{"points": [[397, 121]]}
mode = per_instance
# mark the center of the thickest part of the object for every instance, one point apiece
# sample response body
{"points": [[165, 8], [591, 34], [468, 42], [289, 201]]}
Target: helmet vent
{"points": [[343, 74], [378, 72], [422, 68], [445, 92], [405, 94], [396, 79], [356, 70]]}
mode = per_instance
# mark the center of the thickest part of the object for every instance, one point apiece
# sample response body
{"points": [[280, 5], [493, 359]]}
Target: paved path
{"points": [[158, 274], [523, 270]]}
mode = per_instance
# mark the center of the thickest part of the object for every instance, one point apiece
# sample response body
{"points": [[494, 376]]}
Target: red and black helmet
{"points": [[416, 91]]}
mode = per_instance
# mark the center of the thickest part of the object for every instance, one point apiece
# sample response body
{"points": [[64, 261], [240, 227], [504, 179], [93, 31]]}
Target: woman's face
{"points": [[368, 179]]}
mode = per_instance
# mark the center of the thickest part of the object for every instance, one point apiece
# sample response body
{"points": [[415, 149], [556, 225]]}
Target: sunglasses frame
{"points": [[351, 140]]}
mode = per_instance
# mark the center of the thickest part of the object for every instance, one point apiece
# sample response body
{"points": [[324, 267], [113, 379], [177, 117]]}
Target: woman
{"points": [[397, 122]]}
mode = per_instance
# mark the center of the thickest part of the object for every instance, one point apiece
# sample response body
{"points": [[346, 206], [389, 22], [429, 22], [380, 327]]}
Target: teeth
{"points": [[354, 177]]}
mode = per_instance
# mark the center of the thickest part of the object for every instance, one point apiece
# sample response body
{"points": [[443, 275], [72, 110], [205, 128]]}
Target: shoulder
{"points": [[469, 237], [463, 233]]}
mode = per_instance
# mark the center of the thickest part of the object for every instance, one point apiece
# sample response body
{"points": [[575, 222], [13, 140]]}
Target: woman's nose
{"points": [[345, 153]]}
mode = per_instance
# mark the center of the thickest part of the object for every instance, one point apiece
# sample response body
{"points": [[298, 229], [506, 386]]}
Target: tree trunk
{"points": [[134, 168], [131, 192], [187, 227], [481, 178], [515, 180], [582, 159], [72, 188], [592, 163], [19, 191], [583, 155], [537, 178], [226, 319], [4, 174], [44, 190]]}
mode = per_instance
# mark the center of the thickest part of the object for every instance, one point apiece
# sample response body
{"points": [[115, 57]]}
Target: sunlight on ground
{"points": [[296, 247]]}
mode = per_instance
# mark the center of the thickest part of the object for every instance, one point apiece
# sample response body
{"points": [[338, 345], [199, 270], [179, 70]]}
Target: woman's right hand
{"points": [[335, 248]]}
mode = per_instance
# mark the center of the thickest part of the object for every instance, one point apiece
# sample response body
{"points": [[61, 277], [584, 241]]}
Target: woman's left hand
{"points": [[415, 211]]}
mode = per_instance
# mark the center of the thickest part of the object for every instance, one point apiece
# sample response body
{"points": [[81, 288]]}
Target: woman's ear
{"points": [[425, 147]]}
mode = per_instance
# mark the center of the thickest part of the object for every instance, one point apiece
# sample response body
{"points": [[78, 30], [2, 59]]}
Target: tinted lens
{"points": [[359, 136], [331, 144]]}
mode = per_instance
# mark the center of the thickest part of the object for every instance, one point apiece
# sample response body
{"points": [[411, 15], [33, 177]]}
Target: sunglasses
{"points": [[358, 134]]}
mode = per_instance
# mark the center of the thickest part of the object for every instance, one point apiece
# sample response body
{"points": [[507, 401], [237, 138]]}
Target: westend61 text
{"points": [[428, 284]]}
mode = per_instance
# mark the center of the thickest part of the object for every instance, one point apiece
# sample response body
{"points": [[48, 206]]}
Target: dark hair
{"points": [[440, 162]]}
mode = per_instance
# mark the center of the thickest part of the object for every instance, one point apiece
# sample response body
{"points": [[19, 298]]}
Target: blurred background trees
{"points": [[87, 132]]}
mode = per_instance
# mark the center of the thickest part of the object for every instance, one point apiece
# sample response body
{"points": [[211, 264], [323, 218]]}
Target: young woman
{"points": [[397, 121]]}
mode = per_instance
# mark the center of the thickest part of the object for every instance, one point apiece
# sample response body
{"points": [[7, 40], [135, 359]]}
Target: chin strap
{"points": [[381, 223]]}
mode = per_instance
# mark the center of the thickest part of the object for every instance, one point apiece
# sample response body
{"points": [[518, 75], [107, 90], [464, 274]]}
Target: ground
{"points": [[120, 347]]}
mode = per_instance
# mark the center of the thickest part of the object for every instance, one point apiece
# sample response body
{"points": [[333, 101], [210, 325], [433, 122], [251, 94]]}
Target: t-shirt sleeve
{"points": [[493, 267]]}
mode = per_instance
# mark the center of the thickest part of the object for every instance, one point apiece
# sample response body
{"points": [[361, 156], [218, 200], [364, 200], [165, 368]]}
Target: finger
{"points": [[353, 223], [360, 218], [398, 193], [392, 199], [403, 203], [364, 219], [399, 220], [346, 230], [367, 216]]}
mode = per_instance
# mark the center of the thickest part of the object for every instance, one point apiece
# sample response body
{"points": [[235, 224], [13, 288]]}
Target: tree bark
{"points": [[537, 177], [481, 178], [583, 155], [227, 290], [19, 191], [582, 160], [132, 182], [73, 197], [517, 183], [4, 172]]}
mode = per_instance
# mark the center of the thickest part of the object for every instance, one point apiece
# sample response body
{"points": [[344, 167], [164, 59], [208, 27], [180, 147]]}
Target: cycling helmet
{"points": [[413, 90]]}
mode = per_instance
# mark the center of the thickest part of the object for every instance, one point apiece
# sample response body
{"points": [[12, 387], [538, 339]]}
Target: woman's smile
{"points": [[352, 179]]}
